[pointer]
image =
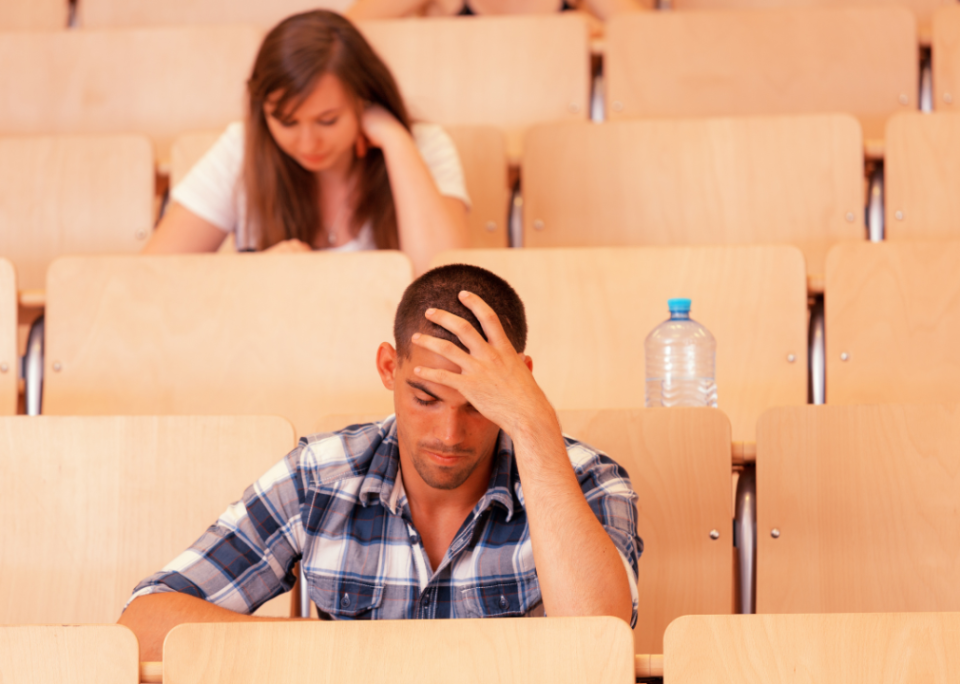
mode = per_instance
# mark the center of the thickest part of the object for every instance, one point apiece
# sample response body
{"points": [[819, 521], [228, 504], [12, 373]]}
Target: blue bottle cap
{"points": [[679, 305]]}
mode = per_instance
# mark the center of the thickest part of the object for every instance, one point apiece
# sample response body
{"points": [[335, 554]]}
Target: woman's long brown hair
{"points": [[283, 198]]}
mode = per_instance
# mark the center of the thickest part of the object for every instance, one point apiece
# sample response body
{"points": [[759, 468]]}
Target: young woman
{"points": [[326, 159]]}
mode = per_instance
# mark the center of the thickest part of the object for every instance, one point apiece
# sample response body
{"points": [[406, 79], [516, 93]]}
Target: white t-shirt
{"points": [[213, 189]]}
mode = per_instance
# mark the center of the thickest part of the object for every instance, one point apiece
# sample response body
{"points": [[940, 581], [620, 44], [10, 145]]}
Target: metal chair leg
{"points": [[33, 369], [817, 387], [926, 83], [875, 219], [745, 528], [304, 595], [515, 227]]}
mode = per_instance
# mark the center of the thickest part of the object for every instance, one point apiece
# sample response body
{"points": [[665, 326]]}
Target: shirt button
{"points": [[426, 600], [504, 604], [345, 601]]}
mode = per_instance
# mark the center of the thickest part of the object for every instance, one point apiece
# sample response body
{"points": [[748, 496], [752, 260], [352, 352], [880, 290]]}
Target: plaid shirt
{"points": [[336, 503]]}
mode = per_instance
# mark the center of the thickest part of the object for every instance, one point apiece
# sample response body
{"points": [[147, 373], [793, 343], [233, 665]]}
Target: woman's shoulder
{"points": [[432, 140]]}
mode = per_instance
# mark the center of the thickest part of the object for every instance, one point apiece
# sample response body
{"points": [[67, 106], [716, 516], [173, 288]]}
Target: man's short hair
{"points": [[440, 289]]}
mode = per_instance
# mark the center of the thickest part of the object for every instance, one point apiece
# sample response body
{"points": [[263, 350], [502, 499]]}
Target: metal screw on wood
{"points": [[141, 234], [573, 107], [904, 99], [491, 226], [898, 215], [57, 366], [775, 533], [538, 224], [850, 217], [844, 356], [617, 106], [4, 367], [948, 98], [791, 358], [714, 535]]}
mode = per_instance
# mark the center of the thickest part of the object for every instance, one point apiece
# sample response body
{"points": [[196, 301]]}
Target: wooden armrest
{"points": [[151, 671], [649, 664]]}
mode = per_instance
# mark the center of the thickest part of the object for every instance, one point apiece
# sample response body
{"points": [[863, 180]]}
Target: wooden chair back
{"points": [[155, 81], [115, 13], [741, 62], [9, 356], [921, 175], [509, 72], [892, 320], [679, 466], [69, 194], [104, 502], [291, 335], [589, 311], [79, 654], [583, 650], [830, 649], [795, 180], [863, 502], [945, 53], [483, 155], [37, 15]]}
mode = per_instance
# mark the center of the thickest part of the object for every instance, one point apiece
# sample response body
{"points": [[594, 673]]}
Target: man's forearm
{"points": [[152, 616], [578, 566]]}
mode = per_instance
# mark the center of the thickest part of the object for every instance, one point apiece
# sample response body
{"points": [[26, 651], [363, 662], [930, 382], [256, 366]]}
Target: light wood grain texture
{"points": [[151, 672], [865, 499], [9, 359], [678, 461], [68, 654], [649, 665], [73, 195], [291, 335], [789, 61], [696, 181], [922, 9], [482, 155], [508, 72], [590, 309], [96, 504], [922, 173], [558, 650], [114, 13], [155, 81], [828, 649], [893, 309], [945, 52], [35, 15]]}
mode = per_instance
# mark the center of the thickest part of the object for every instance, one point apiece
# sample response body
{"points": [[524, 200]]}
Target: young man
{"points": [[469, 502]]}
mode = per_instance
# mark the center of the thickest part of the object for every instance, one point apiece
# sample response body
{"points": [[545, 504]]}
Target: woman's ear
{"points": [[361, 146]]}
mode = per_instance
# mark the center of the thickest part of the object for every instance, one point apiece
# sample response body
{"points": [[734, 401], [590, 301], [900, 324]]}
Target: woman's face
{"points": [[322, 132]]}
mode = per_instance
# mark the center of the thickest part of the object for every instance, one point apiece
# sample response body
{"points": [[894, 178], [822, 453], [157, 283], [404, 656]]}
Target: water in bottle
{"points": [[681, 358]]}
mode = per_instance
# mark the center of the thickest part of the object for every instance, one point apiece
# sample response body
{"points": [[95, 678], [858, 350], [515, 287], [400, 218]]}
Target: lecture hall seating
{"points": [[78, 654], [510, 72], [590, 309], [592, 650], [129, 13], [483, 155], [863, 61], [155, 81], [922, 174], [68, 194], [892, 320], [9, 360], [857, 509], [294, 335], [33, 15], [759, 180], [888, 648], [945, 53], [96, 504]]}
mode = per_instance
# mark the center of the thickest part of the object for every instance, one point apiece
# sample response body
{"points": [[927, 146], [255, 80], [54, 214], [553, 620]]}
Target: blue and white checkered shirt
{"points": [[336, 503]]}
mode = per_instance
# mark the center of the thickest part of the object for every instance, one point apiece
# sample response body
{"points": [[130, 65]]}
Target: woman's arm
{"points": [[427, 222], [182, 232]]}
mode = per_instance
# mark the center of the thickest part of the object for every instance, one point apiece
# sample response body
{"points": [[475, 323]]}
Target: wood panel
{"points": [[590, 309], [679, 466], [482, 154], [864, 498], [795, 180], [9, 358], [921, 174], [155, 81], [790, 61], [36, 15], [892, 318], [829, 649], [945, 52], [73, 195], [96, 504], [559, 650], [68, 654], [508, 72], [114, 13], [291, 335]]}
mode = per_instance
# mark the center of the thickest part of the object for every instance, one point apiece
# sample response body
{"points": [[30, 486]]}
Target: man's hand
{"points": [[494, 378]]}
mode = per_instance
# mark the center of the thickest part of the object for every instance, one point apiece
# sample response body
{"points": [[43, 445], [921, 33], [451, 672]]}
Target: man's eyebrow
{"points": [[417, 385]]}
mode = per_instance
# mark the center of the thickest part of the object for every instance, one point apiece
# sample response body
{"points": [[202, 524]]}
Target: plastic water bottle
{"points": [[681, 361]]}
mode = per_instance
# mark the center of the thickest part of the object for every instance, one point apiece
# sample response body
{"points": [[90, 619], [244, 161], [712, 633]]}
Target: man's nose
{"points": [[451, 427]]}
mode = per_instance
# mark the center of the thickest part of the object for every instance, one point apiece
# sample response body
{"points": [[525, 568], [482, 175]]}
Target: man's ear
{"points": [[387, 363]]}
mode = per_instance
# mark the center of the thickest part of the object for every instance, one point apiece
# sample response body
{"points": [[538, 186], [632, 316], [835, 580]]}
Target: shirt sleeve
{"points": [[608, 491], [246, 558], [440, 155], [211, 189]]}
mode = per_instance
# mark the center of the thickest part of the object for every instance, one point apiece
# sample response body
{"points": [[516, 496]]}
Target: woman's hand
{"points": [[378, 125], [289, 247]]}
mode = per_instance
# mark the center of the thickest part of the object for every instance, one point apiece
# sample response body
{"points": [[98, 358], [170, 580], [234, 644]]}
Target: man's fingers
{"points": [[444, 348], [465, 332], [439, 376], [488, 318]]}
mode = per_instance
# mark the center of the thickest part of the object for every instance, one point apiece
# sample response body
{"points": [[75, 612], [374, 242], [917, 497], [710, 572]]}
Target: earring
{"points": [[361, 146]]}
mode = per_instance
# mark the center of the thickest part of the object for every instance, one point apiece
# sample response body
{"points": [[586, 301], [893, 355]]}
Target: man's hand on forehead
{"points": [[494, 377]]}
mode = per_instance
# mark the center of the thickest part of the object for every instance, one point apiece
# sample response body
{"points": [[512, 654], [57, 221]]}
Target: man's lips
{"points": [[443, 459]]}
